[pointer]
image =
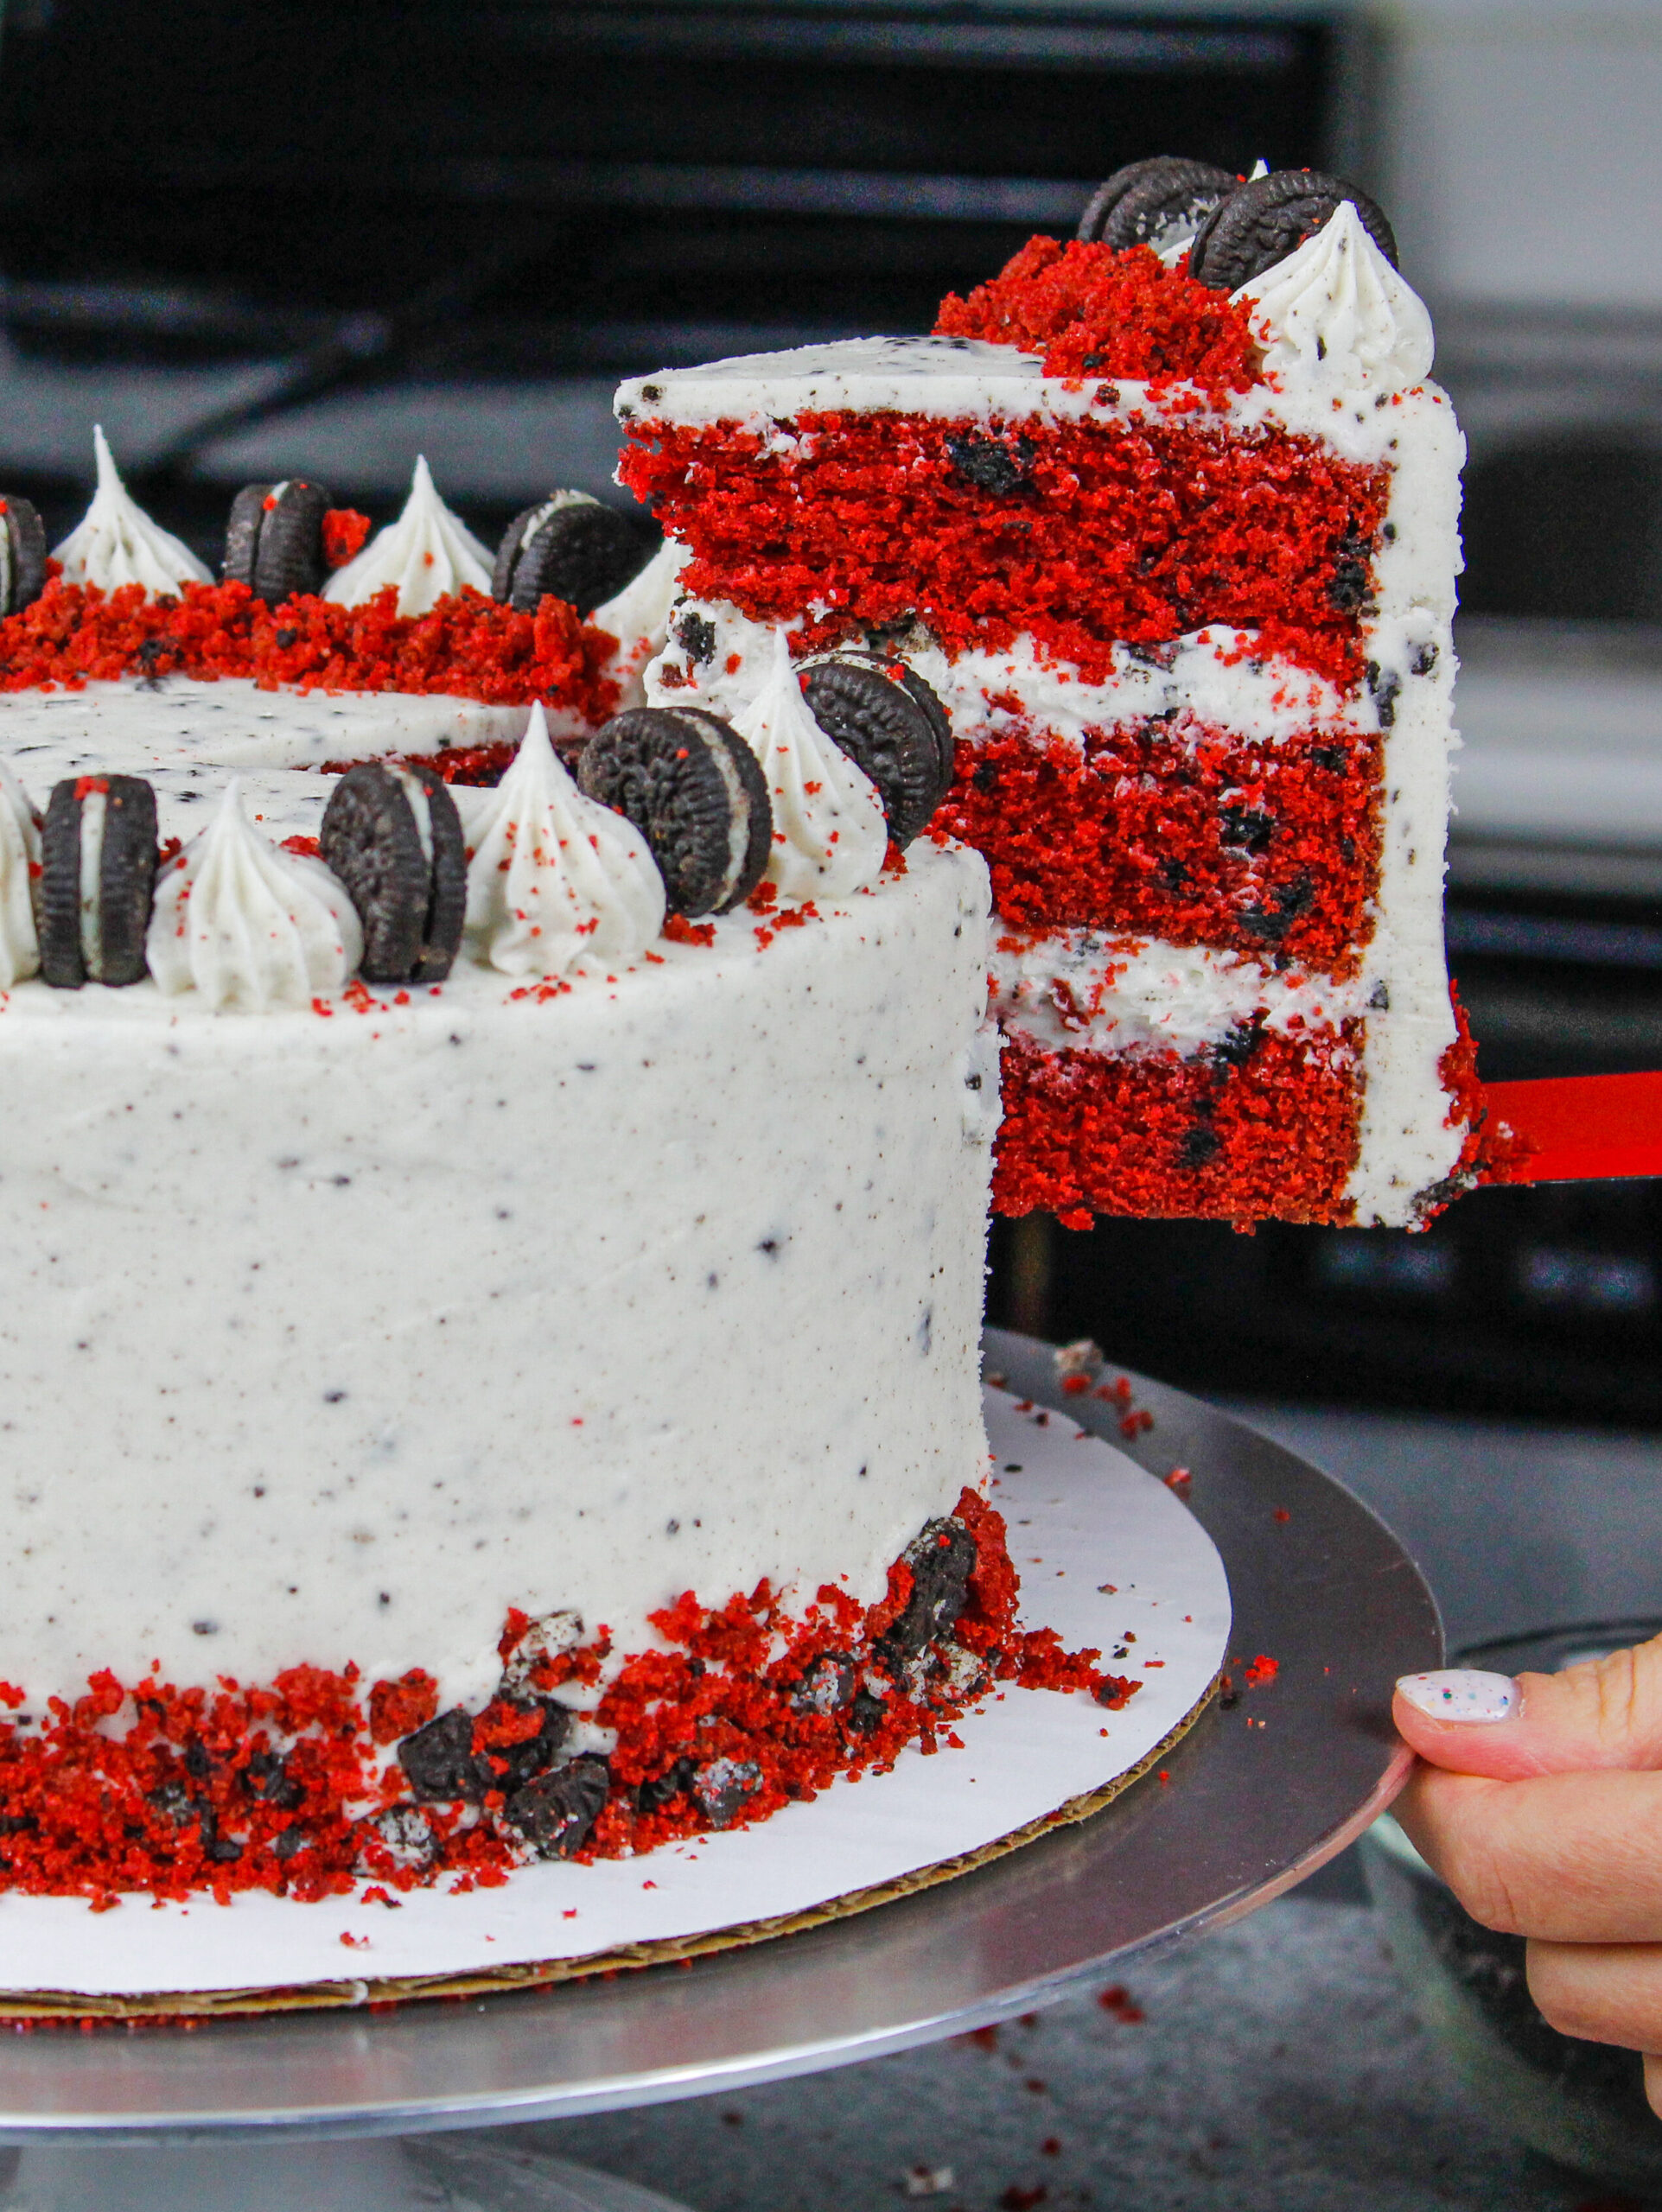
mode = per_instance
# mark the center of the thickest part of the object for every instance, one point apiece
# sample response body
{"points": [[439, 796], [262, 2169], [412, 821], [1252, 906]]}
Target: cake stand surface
{"points": [[1255, 1796]]}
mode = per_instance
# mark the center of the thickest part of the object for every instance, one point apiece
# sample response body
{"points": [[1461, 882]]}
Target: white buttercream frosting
{"points": [[115, 542], [427, 553], [639, 617], [1089, 990], [1337, 310], [555, 880], [830, 832], [248, 925], [20, 859]]}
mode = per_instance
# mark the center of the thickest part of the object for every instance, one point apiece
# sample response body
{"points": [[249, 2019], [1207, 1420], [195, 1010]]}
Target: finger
{"points": [[1604, 1993], [1607, 1712], [1570, 1858]]}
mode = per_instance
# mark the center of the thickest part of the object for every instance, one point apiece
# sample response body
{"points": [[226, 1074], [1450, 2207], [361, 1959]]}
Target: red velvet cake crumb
{"points": [[869, 517], [467, 646], [1182, 832], [1209, 1137], [287, 1789], [1089, 311]]}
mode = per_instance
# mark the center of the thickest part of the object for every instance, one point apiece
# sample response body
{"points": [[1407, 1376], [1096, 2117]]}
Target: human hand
{"points": [[1538, 1799]]}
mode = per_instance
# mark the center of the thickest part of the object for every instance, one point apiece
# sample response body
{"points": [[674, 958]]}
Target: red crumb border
{"points": [[467, 645], [288, 1788]]}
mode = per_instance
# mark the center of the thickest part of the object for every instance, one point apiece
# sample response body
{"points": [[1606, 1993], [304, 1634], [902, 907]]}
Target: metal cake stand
{"points": [[254, 2112]]}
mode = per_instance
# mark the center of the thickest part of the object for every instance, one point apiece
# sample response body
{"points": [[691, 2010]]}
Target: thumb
{"points": [[1607, 1712]]}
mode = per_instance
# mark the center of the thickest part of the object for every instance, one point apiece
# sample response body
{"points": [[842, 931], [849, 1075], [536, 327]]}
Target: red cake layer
{"points": [[1117, 532], [467, 646], [1267, 1130], [1181, 831], [1089, 311], [291, 1789]]}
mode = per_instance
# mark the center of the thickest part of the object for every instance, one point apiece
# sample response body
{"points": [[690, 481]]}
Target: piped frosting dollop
{"points": [[639, 616], [427, 553], [247, 925], [115, 542], [20, 863], [1335, 308], [556, 880], [830, 832]]}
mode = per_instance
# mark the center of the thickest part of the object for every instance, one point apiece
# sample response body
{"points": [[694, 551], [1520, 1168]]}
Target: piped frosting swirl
{"points": [[1336, 309], [248, 925], [115, 542], [830, 832], [555, 880], [427, 553]]}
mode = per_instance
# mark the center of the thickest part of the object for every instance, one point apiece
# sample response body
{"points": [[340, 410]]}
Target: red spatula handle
{"points": [[1577, 1129]]}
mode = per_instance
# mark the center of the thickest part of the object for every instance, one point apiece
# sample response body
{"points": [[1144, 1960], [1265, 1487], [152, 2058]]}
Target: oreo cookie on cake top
{"points": [[274, 540], [22, 554], [569, 546], [393, 837], [692, 787], [98, 877]]}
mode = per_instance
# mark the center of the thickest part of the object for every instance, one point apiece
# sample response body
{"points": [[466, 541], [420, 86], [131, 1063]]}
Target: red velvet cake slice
{"points": [[1173, 537]]}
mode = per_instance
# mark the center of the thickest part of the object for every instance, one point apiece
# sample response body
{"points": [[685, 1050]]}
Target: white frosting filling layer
{"points": [[476, 1301], [248, 925], [115, 542], [554, 880], [1088, 990], [1213, 676], [427, 553], [830, 831]]}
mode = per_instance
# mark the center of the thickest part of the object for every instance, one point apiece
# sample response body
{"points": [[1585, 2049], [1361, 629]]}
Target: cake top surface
{"points": [[1081, 331]]}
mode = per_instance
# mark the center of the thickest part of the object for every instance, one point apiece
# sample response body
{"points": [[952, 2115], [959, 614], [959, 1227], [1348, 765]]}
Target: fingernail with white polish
{"points": [[1461, 1693]]}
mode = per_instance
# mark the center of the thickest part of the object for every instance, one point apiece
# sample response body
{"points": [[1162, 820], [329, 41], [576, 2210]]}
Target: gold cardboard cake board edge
{"points": [[67, 2006]]}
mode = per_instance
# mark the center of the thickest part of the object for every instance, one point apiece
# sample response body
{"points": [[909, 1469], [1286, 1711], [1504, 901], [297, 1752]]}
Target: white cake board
{"points": [[1080, 1516]]}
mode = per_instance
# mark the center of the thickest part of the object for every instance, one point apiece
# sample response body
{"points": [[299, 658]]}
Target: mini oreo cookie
{"points": [[942, 1557], [438, 1760], [1261, 222], [568, 545], [393, 837], [274, 540], [97, 875], [694, 790], [556, 1812], [1143, 202], [890, 722], [22, 555]]}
